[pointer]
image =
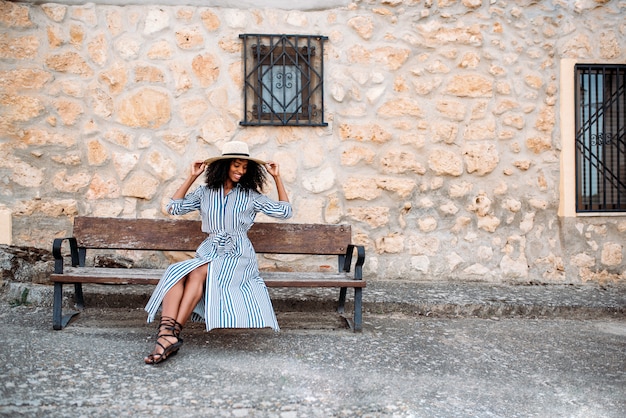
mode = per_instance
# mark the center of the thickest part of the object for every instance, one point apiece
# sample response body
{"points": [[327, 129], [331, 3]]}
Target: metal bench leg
{"points": [[358, 309], [60, 321], [78, 295], [342, 300], [57, 306]]}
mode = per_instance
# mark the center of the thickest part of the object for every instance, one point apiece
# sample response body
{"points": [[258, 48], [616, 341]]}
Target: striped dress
{"points": [[235, 296]]}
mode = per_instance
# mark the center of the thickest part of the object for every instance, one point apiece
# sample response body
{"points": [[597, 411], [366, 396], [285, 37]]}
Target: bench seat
{"points": [[102, 275]]}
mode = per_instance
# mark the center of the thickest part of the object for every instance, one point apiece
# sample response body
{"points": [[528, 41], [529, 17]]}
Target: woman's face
{"points": [[237, 169]]}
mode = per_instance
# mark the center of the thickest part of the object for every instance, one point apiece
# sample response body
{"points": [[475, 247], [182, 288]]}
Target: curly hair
{"points": [[217, 173]]}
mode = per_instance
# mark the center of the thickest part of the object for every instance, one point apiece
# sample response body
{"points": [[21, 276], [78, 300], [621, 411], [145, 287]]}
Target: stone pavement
{"points": [[427, 350]]}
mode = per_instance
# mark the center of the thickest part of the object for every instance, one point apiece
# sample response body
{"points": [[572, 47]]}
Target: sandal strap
{"points": [[170, 324], [155, 358], [167, 350], [168, 329]]}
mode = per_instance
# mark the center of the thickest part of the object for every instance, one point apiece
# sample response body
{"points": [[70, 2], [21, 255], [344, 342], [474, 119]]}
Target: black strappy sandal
{"points": [[168, 328]]}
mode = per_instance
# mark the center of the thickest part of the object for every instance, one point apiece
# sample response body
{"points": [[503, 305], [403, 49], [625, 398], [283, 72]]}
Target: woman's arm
{"points": [[197, 168], [272, 168]]}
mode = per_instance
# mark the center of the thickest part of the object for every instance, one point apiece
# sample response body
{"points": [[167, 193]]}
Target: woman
{"points": [[221, 285]]}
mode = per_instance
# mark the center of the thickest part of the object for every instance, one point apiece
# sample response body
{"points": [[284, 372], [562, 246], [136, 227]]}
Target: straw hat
{"points": [[235, 149]]}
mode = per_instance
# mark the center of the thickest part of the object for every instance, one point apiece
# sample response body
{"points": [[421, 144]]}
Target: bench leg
{"points": [[358, 309], [60, 321], [342, 300], [57, 306], [78, 295]]}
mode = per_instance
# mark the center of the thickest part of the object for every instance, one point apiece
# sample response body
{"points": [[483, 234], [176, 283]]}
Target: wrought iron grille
{"points": [[283, 80], [600, 138]]}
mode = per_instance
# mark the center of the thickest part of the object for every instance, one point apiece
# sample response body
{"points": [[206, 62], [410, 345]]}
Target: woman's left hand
{"points": [[272, 168]]}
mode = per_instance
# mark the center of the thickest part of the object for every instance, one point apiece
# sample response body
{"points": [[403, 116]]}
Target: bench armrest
{"points": [[58, 257], [358, 266]]}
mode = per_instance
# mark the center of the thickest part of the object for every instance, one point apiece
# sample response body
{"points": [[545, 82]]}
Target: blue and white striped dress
{"points": [[235, 296]]}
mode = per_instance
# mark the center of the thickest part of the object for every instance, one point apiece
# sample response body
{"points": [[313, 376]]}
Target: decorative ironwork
{"points": [[601, 138], [283, 80]]}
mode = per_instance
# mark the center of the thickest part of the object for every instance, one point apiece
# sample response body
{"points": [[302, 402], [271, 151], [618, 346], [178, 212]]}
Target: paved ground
{"points": [[464, 351]]}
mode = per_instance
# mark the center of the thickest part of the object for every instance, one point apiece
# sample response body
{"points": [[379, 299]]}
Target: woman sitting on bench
{"points": [[221, 285]]}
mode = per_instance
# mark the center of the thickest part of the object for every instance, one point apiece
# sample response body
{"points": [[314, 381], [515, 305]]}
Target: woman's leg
{"points": [[182, 303], [177, 306]]}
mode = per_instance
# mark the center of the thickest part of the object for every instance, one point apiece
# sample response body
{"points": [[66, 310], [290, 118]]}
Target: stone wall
{"points": [[442, 147]]}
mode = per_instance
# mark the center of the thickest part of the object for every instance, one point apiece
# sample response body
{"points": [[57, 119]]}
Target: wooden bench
{"points": [[185, 235]]}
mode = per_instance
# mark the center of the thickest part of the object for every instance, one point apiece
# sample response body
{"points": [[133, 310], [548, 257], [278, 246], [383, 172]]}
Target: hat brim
{"points": [[234, 157]]}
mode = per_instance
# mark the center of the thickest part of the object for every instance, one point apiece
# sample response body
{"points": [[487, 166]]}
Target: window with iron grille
{"points": [[283, 80], [600, 138]]}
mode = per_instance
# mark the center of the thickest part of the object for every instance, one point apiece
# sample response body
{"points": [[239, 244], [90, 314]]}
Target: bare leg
{"points": [[182, 305], [178, 304]]}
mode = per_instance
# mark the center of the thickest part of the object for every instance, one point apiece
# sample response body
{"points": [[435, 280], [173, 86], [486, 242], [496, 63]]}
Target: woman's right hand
{"points": [[197, 167]]}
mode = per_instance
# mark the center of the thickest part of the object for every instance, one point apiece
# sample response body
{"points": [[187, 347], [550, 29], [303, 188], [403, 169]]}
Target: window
{"points": [[283, 80], [600, 138]]}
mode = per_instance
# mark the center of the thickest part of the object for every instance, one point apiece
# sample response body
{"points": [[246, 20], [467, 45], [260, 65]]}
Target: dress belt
{"points": [[224, 242]]}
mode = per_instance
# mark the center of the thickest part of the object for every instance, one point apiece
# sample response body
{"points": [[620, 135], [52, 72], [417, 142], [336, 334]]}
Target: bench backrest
{"points": [[185, 235]]}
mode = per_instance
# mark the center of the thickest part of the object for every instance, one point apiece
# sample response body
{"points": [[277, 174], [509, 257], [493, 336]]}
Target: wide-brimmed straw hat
{"points": [[235, 149]]}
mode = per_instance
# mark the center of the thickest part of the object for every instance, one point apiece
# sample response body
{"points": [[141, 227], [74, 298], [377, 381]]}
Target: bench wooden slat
{"points": [[137, 234], [103, 275], [186, 235], [287, 238]]}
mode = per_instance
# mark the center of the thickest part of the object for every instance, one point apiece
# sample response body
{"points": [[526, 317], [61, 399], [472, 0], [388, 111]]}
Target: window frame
{"points": [[567, 112], [600, 159], [266, 54]]}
